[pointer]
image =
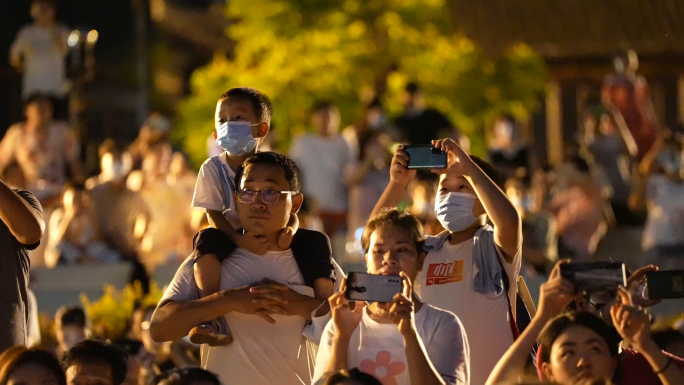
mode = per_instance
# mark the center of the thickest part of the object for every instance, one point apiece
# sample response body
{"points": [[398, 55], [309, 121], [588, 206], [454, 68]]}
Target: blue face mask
{"points": [[455, 211], [236, 137]]}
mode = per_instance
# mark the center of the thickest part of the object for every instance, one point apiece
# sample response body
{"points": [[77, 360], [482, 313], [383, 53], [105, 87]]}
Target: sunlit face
{"points": [[239, 110], [327, 121], [39, 112], [32, 374], [69, 335], [577, 355], [263, 218], [392, 250], [458, 183], [89, 374]]}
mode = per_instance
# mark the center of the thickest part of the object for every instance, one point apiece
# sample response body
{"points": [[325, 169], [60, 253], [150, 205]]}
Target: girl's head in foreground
{"points": [[577, 347], [19, 365]]}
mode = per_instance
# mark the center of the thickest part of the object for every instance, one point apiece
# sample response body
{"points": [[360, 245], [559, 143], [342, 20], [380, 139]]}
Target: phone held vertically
{"points": [[595, 276], [665, 284], [372, 287], [425, 157]]}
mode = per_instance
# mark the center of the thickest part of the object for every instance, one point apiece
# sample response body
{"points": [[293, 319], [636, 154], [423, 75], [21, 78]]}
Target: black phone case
{"points": [[665, 284], [425, 157]]}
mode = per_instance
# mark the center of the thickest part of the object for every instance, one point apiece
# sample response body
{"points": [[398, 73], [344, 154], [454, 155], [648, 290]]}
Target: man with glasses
{"points": [[268, 301]]}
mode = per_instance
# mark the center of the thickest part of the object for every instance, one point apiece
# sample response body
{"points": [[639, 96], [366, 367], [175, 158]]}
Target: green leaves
{"points": [[298, 51]]}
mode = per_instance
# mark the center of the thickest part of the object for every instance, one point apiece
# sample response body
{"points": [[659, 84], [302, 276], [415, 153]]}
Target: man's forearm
{"points": [[421, 370], [390, 197], [309, 304], [22, 220], [173, 320]]}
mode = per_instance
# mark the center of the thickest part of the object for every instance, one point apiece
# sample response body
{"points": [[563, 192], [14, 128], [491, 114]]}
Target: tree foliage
{"points": [[347, 51]]}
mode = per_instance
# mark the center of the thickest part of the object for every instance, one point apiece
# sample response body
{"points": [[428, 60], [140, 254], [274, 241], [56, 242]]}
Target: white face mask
{"points": [[455, 211]]}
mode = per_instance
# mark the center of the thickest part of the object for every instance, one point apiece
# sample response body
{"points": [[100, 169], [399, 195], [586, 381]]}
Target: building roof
{"points": [[562, 29]]}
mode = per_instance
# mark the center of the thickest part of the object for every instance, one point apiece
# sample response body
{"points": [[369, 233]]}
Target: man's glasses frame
{"points": [[267, 196]]}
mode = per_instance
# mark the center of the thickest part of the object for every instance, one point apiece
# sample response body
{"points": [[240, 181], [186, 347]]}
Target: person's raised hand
{"points": [[556, 293], [345, 317], [637, 278], [631, 321], [257, 244], [401, 310], [399, 172], [458, 161]]}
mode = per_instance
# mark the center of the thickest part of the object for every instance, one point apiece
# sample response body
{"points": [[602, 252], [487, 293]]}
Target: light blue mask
{"points": [[236, 137], [455, 210]]}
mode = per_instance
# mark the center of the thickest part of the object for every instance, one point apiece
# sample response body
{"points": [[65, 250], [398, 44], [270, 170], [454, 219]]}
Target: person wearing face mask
{"points": [[661, 190], [470, 266], [243, 117]]}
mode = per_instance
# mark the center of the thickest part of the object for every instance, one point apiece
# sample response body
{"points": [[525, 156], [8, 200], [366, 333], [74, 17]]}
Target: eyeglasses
{"points": [[268, 196]]}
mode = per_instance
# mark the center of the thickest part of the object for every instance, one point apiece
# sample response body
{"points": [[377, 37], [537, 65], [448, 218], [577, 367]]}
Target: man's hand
{"points": [[556, 293], [285, 237], [399, 172], [345, 319], [401, 309], [257, 244], [245, 300], [271, 295], [458, 161]]}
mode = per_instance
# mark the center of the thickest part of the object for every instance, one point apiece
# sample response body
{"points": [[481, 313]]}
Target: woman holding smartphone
{"points": [[403, 341]]}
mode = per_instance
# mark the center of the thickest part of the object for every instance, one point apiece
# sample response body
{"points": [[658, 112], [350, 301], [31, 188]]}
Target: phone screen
{"points": [[425, 157], [595, 276], [665, 284], [372, 287]]}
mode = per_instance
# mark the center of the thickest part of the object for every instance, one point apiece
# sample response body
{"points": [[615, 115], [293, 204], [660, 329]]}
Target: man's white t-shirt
{"points": [[43, 60], [209, 191], [446, 281], [665, 224], [378, 349], [261, 353], [322, 161]]}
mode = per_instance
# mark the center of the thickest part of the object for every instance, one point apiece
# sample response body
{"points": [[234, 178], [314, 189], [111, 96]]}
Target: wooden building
{"points": [[578, 39]]}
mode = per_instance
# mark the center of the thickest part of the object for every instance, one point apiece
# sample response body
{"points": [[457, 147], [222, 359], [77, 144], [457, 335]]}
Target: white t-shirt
{"points": [[209, 194], [446, 281], [261, 353], [43, 61], [665, 223], [322, 162], [378, 349]]}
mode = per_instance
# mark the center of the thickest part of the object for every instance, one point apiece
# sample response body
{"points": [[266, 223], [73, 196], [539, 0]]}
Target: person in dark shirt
{"points": [[21, 228], [418, 125]]}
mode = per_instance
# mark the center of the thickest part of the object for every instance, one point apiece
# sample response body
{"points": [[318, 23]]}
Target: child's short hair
{"points": [[398, 219], [260, 102], [71, 316], [269, 158], [322, 105], [490, 171]]}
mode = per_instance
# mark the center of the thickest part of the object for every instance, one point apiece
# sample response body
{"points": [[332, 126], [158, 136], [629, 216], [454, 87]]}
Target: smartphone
{"points": [[665, 284], [595, 276], [372, 287], [425, 156]]}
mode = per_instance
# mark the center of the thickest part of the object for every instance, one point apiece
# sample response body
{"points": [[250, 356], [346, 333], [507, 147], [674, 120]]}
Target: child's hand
{"points": [[285, 237], [257, 244], [458, 161], [399, 171]]}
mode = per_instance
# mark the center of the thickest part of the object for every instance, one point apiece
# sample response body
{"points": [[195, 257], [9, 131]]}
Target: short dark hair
{"points": [[355, 375], [51, 3], [72, 315], [397, 219], [186, 376], [260, 102], [322, 105], [17, 356], [490, 171], [269, 158], [96, 352], [558, 325], [37, 97], [412, 88]]}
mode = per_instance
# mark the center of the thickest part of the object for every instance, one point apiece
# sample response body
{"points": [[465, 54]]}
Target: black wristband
{"points": [[669, 361]]}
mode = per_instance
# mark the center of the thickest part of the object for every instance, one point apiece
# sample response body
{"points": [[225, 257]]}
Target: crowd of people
{"points": [[260, 240]]}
